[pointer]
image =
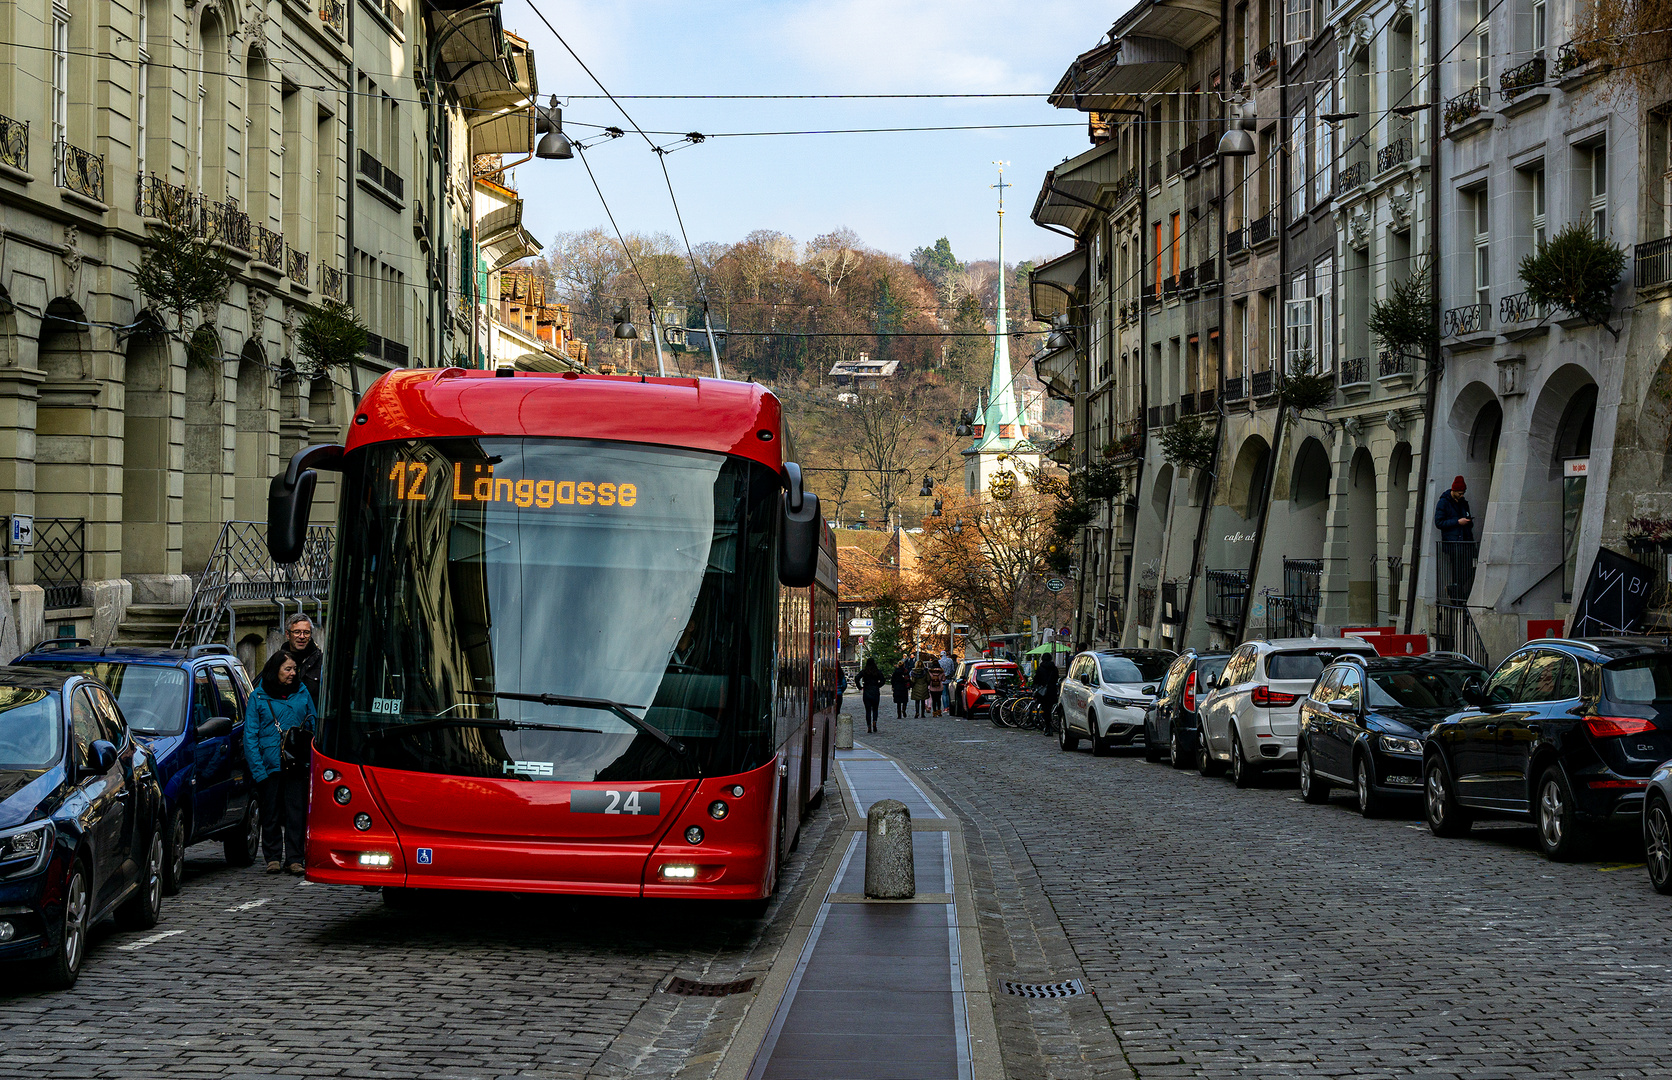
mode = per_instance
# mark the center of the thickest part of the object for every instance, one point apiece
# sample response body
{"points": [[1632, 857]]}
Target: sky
{"points": [[898, 191]]}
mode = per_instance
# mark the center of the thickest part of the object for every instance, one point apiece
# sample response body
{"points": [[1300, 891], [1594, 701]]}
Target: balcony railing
{"points": [[1518, 308], [1155, 174], [374, 347], [60, 553], [330, 282], [1466, 106], [1349, 178], [1238, 77], [296, 265], [1187, 404], [394, 353], [395, 14], [1173, 163], [1170, 287], [1260, 231], [14, 143], [1226, 591], [1144, 598], [393, 184], [159, 199], [1234, 242], [81, 171], [1394, 153], [1391, 362], [1207, 273], [1187, 157], [1355, 371], [1282, 620], [269, 246], [1127, 185], [1654, 262], [331, 13], [1204, 401], [1260, 384], [1169, 415], [1187, 279], [1573, 56], [370, 167], [1234, 389], [1154, 416], [223, 221], [1302, 583], [1207, 150], [1265, 59], [1468, 319], [1521, 77]]}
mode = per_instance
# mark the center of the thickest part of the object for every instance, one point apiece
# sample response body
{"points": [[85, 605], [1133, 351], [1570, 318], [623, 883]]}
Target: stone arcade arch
{"points": [[206, 457], [70, 492], [256, 439], [150, 455], [1308, 501], [1399, 525], [1361, 544], [1558, 427]]}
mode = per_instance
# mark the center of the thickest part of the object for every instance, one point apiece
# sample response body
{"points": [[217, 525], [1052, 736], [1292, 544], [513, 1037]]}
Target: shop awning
{"points": [[1065, 203], [1149, 44], [1057, 285]]}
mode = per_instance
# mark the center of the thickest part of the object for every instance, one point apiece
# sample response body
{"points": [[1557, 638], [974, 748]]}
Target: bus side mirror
{"points": [[798, 552], [290, 500]]}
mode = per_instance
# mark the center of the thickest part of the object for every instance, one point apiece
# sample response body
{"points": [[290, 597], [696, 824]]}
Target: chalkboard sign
{"points": [[1616, 592]]}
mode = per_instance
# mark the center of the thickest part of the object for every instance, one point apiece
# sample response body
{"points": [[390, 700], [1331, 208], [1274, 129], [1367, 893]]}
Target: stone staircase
{"points": [[150, 625]]}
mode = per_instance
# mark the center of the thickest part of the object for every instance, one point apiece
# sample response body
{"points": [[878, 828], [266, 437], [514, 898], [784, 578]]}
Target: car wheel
{"points": [[1370, 804], [1066, 738], [59, 971], [1206, 763], [142, 910], [174, 864], [1439, 803], [1560, 835], [1313, 789], [1175, 748], [243, 845], [1243, 771], [1099, 747], [1657, 844]]}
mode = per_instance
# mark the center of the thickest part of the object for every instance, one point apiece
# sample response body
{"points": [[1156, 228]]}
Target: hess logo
{"points": [[527, 768]]}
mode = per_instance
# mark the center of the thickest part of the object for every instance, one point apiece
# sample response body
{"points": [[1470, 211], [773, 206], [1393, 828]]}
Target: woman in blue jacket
{"points": [[280, 704]]}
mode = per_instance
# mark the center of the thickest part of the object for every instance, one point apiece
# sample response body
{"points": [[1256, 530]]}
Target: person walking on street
{"points": [[902, 689], [841, 686], [278, 735], [870, 691], [919, 689], [1045, 682], [947, 666], [310, 658], [1456, 523], [937, 686]]}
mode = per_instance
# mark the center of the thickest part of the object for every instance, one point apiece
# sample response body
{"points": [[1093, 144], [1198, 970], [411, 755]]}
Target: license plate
{"points": [[593, 801], [1412, 780]]}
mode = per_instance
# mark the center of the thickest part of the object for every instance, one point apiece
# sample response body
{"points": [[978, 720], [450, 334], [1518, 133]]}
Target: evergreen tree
{"points": [[885, 644], [970, 356]]}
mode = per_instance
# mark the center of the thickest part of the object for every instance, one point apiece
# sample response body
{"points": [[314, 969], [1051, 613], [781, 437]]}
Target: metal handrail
{"points": [[14, 143], [240, 569]]}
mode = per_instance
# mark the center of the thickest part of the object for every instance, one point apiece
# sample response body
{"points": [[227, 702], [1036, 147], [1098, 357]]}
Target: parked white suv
{"points": [[1251, 720], [1104, 695]]}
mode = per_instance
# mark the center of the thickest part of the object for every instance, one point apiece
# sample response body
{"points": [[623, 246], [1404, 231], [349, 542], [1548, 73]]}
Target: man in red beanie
{"points": [[1456, 523]]}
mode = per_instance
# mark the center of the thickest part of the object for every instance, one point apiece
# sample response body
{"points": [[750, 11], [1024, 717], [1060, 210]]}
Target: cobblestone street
{"points": [[1245, 934]]}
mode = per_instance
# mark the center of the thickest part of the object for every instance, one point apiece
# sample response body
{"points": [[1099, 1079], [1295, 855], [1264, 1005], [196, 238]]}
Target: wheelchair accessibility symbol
{"points": [[426, 856]]}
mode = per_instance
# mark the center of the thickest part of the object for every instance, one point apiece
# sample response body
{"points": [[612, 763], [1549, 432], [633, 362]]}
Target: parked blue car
{"points": [[187, 707], [79, 810]]}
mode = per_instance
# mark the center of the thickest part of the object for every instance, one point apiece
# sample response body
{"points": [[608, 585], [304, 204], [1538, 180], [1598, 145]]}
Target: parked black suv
{"points": [[1363, 725], [1566, 733], [1170, 723]]}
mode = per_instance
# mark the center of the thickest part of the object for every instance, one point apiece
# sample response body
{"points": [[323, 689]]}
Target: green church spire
{"points": [[1002, 420]]}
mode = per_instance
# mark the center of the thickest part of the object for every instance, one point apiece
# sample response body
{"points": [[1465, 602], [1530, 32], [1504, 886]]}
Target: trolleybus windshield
{"points": [[477, 576]]}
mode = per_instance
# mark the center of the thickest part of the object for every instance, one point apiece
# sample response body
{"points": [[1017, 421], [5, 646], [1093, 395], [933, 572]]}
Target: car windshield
{"points": [[31, 734], [1306, 664], [1645, 680], [153, 699], [1127, 669], [472, 569], [1429, 688]]}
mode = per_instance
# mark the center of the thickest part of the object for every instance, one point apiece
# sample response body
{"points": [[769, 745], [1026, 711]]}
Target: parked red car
{"points": [[975, 683]]}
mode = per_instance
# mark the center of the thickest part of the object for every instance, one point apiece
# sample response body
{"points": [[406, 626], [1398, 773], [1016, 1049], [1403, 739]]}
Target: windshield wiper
{"points": [[464, 721], [605, 706]]}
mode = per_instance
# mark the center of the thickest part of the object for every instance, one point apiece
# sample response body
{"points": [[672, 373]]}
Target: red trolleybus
{"points": [[582, 637]]}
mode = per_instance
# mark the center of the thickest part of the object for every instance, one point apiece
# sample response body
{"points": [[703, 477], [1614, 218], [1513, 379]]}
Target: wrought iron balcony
{"points": [[1466, 106], [395, 14], [1127, 185], [393, 184], [1226, 591], [1154, 416], [332, 14], [296, 265], [1187, 279], [1574, 55], [1265, 59], [1187, 158], [1260, 384], [269, 246], [1207, 150], [1517, 308], [1234, 241], [1260, 231], [1144, 604], [1521, 77], [1207, 272], [1654, 262], [1238, 77], [1394, 153], [1187, 404], [223, 221], [166, 202], [60, 556], [1155, 174], [1391, 362], [14, 143], [81, 171], [330, 282], [1349, 177], [1303, 583], [370, 167], [1204, 401], [394, 353], [1170, 287], [1169, 415], [1234, 390], [1173, 163], [1355, 371], [1468, 319]]}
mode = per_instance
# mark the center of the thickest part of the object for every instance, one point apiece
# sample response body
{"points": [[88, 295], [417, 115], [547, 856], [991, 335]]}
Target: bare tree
{"points": [[884, 428], [834, 257]]}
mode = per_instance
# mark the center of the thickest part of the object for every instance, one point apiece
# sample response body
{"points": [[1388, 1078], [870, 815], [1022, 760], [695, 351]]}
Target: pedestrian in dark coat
{"points": [[937, 686], [902, 689], [1453, 517], [870, 691], [310, 658], [919, 688], [279, 705], [1045, 679]]}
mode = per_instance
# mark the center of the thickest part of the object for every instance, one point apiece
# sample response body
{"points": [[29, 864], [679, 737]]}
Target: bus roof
{"points": [[702, 414]]}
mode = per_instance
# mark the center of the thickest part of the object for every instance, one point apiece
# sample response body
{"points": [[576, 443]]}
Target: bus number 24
{"points": [[594, 801]]}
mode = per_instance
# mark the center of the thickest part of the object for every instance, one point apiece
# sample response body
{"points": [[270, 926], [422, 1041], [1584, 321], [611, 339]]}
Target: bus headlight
{"points": [[679, 871], [737, 791], [717, 810], [329, 776], [376, 860]]}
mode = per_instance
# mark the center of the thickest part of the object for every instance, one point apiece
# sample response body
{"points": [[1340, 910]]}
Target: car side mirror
{"points": [[290, 499], [101, 757], [215, 727], [1343, 707], [1150, 689], [798, 549]]}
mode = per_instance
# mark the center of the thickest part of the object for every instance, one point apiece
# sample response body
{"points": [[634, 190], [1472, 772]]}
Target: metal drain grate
{"points": [[1071, 988], [924, 768], [687, 988]]}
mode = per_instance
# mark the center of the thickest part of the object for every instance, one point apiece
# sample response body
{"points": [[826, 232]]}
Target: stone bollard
{"points": [[844, 732], [889, 873]]}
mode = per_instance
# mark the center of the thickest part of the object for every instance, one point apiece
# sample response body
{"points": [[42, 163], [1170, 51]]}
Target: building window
{"points": [[1324, 146], [1177, 239], [60, 75], [1297, 163], [1538, 28], [142, 88], [1478, 206], [1239, 339], [1324, 275], [1160, 254], [1598, 206], [1483, 42], [1536, 182], [1274, 173], [1274, 327], [1299, 356]]}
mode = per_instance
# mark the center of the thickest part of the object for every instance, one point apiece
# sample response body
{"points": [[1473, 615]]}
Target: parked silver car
{"points": [[1104, 696]]}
